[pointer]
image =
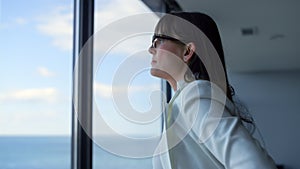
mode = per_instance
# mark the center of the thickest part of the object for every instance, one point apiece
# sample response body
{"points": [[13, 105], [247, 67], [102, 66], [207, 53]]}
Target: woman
{"points": [[202, 126]]}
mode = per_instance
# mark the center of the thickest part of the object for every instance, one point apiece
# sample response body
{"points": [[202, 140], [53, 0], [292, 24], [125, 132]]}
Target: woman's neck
{"points": [[172, 80], [173, 84]]}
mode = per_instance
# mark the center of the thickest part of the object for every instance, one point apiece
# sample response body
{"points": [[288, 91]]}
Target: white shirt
{"points": [[202, 134]]}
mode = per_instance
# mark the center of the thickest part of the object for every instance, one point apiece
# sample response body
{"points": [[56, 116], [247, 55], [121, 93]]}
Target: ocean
{"points": [[55, 153]]}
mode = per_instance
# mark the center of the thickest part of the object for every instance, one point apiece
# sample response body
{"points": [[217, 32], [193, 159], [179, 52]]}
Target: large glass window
{"points": [[36, 79], [128, 100]]}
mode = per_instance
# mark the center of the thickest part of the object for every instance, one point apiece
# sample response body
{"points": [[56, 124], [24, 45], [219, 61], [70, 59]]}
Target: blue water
{"points": [[55, 153]]}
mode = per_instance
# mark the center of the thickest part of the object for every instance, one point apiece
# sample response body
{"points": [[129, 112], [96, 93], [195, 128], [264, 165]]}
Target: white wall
{"points": [[273, 99]]}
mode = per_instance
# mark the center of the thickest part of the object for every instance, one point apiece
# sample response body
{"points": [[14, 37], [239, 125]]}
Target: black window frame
{"points": [[82, 144]]}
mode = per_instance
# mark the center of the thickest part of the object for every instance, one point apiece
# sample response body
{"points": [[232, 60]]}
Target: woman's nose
{"points": [[151, 50]]}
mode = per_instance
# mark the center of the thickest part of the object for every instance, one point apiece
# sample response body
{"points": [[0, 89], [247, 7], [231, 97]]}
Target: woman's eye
{"points": [[157, 42]]}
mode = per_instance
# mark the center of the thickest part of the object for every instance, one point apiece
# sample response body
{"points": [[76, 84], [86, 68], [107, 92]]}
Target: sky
{"points": [[36, 66]]}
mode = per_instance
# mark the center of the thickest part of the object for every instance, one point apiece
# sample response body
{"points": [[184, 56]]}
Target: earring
{"points": [[185, 58]]}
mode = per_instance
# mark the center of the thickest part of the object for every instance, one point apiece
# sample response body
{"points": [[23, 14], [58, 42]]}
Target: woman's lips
{"points": [[153, 62]]}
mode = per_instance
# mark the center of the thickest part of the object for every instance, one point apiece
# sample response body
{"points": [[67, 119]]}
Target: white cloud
{"points": [[24, 121], [59, 26], [125, 34], [15, 22], [43, 94], [105, 90], [117, 9], [21, 21], [59, 23], [45, 72]]}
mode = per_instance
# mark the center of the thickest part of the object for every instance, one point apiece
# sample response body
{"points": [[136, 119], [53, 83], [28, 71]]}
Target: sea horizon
{"points": [[54, 152]]}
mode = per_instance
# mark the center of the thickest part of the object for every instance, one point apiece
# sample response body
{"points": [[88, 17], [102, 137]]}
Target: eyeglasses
{"points": [[159, 39]]}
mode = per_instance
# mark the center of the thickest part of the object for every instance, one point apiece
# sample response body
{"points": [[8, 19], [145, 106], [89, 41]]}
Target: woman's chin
{"points": [[156, 72], [159, 73]]}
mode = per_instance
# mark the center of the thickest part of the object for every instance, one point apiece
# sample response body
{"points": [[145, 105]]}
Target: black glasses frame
{"points": [[160, 36]]}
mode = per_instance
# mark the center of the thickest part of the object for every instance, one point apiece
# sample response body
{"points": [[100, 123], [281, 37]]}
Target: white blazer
{"points": [[202, 134]]}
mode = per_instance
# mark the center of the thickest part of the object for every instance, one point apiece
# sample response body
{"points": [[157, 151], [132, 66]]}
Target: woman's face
{"points": [[167, 59]]}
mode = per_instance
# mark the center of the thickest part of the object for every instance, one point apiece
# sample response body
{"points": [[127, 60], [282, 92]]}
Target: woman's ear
{"points": [[189, 51]]}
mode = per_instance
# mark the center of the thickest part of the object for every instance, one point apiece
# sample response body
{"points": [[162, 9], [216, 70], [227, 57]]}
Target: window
{"points": [[127, 115], [117, 102], [35, 88]]}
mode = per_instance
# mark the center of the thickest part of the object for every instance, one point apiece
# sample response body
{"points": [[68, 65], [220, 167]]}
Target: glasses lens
{"points": [[157, 42]]}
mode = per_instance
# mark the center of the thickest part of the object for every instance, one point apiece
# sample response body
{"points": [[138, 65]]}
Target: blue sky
{"points": [[36, 63], [35, 71]]}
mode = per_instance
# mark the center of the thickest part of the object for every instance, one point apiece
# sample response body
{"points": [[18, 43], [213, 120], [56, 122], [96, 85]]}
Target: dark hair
{"points": [[207, 29], [208, 26]]}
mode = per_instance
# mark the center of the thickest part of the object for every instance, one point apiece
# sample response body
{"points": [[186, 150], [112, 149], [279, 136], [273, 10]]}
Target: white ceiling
{"points": [[274, 46]]}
